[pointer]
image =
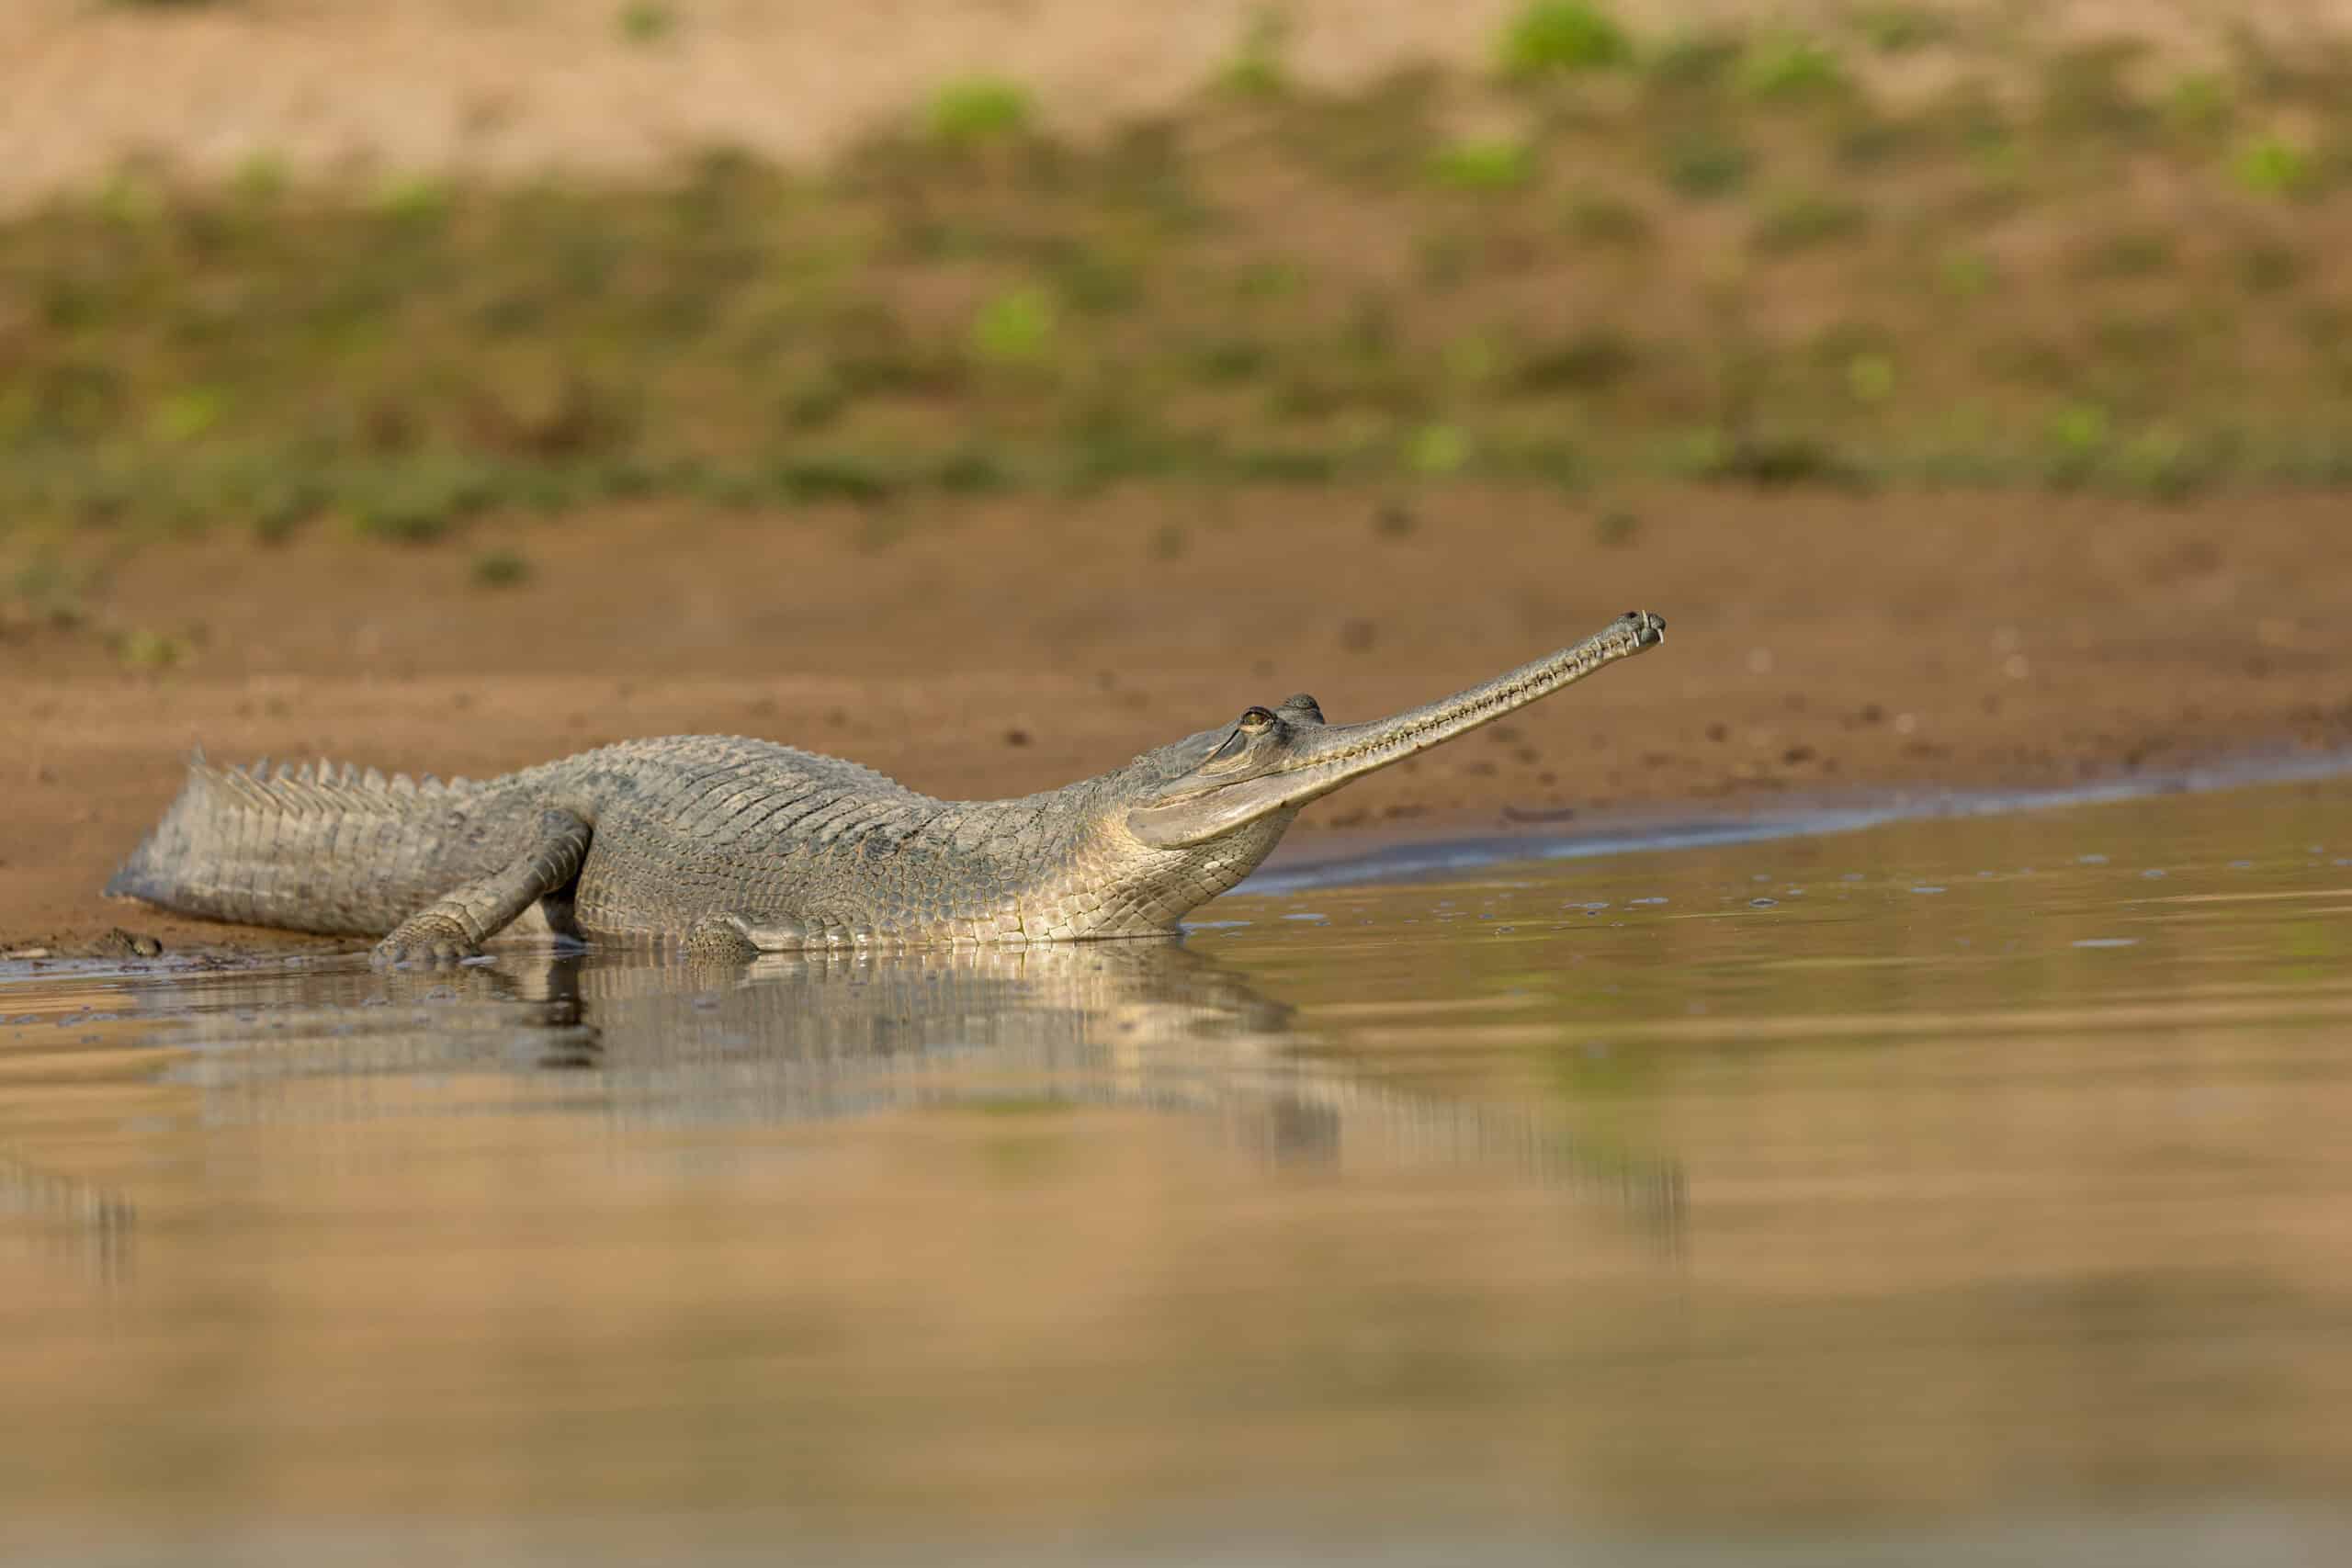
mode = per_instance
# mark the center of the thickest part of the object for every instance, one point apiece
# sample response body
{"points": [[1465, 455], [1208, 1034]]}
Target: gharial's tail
{"points": [[311, 849]]}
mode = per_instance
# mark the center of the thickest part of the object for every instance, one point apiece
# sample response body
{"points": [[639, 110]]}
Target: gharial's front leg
{"points": [[456, 925]]}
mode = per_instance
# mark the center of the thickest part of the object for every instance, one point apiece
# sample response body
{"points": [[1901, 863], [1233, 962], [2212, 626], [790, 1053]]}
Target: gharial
{"points": [[728, 844]]}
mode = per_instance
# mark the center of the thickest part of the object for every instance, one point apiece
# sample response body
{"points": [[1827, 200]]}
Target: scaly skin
{"points": [[734, 845]]}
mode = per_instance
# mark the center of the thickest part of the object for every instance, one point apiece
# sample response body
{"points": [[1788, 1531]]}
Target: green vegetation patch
{"points": [[646, 21], [1489, 164], [979, 109], [1552, 38], [1735, 254]]}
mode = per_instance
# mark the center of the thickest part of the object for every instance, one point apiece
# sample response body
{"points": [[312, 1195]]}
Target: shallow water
{"points": [[1970, 1190]]}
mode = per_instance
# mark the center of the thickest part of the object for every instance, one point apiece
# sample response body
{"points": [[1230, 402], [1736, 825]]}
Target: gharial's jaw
{"points": [[1319, 759]]}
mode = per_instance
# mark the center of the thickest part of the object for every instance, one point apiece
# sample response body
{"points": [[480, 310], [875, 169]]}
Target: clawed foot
{"points": [[720, 936], [429, 939], [735, 936]]}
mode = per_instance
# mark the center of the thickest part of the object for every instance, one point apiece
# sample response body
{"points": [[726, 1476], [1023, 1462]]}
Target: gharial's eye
{"points": [[1256, 718]]}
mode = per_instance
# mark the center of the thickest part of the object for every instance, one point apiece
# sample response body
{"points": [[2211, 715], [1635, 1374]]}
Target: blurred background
{"points": [[274, 260], [987, 389]]}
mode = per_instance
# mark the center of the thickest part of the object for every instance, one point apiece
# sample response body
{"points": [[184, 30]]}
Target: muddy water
{"points": [[1956, 1190]]}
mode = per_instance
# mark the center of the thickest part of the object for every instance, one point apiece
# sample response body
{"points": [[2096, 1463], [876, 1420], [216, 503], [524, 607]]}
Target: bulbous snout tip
{"points": [[1648, 629]]}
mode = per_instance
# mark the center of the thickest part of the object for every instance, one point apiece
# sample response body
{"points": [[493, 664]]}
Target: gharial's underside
{"points": [[723, 843]]}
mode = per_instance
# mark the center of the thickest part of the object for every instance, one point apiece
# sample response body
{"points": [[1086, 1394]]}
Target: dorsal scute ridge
{"points": [[241, 783], [322, 786]]}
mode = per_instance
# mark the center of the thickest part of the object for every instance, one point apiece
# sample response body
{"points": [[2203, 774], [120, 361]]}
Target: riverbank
{"points": [[1817, 642]]}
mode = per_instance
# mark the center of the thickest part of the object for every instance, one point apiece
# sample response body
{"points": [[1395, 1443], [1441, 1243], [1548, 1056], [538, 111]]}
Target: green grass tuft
{"points": [[813, 478], [1616, 529], [260, 179], [1966, 274], [979, 109], [1773, 462], [1257, 68], [1793, 68], [646, 21], [1693, 64], [1485, 165], [415, 201], [1870, 377], [2201, 104], [500, 569], [2272, 165], [1436, 451], [187, 415], [421, 500], [1555, 36], [1704, 164], [1806, 220], [51, 591], [143, 647], [1016, 328]]}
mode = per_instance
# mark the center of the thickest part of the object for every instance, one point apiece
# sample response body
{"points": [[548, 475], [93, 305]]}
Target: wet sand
{"points": [[1817, 645]]}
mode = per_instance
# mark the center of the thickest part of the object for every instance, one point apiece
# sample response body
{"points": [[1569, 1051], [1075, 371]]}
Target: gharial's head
{"points": [[1247, 779]]}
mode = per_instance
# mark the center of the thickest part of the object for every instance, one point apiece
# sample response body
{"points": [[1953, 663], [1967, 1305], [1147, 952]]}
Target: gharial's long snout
{"points": [[1313, 760]]}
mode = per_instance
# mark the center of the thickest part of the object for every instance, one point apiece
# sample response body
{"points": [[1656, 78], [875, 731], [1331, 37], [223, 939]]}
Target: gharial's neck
{"points": [[1114, 886], [1077, 871]]}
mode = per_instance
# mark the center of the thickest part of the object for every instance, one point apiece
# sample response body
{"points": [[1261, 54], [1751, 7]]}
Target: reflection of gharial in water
{"points": [[1149, 1025], [746, 846], [67, 1213]]}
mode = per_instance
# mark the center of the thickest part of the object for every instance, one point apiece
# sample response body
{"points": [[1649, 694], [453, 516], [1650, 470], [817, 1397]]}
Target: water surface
{"points": [[1969, 1191]]}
